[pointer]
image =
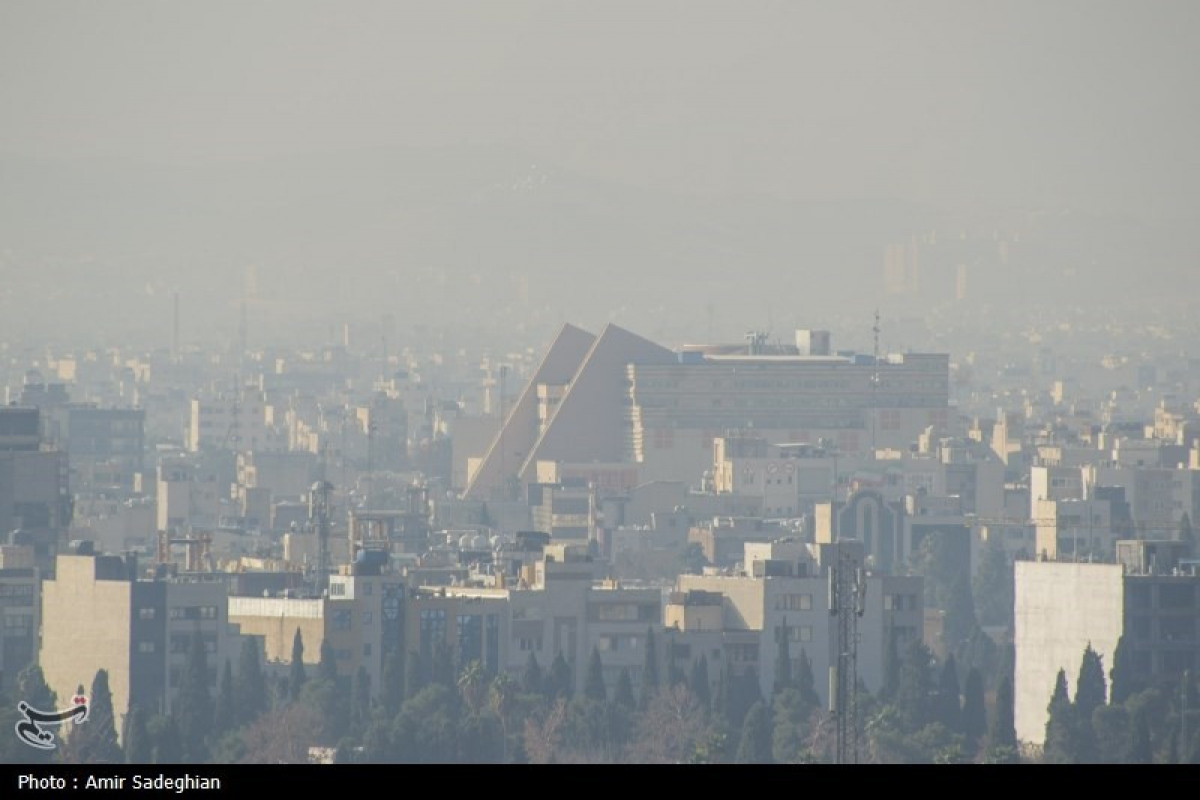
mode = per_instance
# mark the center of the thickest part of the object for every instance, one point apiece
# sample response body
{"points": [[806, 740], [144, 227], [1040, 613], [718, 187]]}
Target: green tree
{"points": [[225, 717], [649, 668], [891, 668], [168, 745], [993, 586], [783, 659], [139, 749], [1110, 728], [916, 686], [1140, 749], [624, 694], [393, 694], [1091, 692], [974, 714], [1090, 688], [1002, 732], [789, 732], [560, 678], [532, 681], [960, 620], [296, 673], [95, 741], [806, 683], [442, 669], [327, 666], [755, 744], [250, 686], [946, 708], [699, 683], [692, 559], [194, 707], [33, 689], [593, 687], [1124, 679], [414, 674], [1060, 745], [360, 693]]}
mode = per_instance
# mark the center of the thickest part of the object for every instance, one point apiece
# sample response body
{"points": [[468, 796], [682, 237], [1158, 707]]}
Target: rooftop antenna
{"points": [[875, 385], [319, 517], [175, 326]]}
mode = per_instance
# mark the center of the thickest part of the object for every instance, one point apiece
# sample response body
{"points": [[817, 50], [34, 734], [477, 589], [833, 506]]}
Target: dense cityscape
{"points": [[347, 422]]}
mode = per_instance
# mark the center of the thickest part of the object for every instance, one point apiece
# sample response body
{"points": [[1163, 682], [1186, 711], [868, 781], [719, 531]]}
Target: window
{"points": [[146, 647], [367, 617], [342, 620], [367, 649], [793, 602], [145, 613], [433, 630], [616, 612], [368, 589]]}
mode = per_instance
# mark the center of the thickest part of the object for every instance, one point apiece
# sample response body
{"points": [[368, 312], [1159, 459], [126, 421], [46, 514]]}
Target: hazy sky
{"points": [[513, 160], [1082, 103]]}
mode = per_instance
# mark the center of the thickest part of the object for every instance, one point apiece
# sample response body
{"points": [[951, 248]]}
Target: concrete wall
{"points": [[1060, 608], [86, 627]]}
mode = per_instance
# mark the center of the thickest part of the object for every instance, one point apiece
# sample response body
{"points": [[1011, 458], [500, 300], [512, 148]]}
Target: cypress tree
{"points": [[327, 666], [532, 681], [360, 693], [168, 746], [296, 674], [250, 685], [414, 674], [960, 618], [699, 682], [1090, 688], [946, 702], [194, 707], [755, 744], [33, 689], [1124, 682], [1002, 733], [393, 693], [95, 741], [139, 749], [442, 669], [805, 683], [891, 668], [1091, 692], [593, 687], [649, 668], [225, 718], [624, 693], [974, 714], [560, 678], [783, 659], [913, 694], [1140, 749], [1060, 745]]}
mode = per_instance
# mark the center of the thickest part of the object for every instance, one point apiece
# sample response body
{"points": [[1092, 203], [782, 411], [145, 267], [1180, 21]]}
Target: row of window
{"points": [[793, 602]]}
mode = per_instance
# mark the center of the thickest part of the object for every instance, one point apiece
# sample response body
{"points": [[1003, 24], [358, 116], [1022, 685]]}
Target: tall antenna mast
{"points": [[875, 385], [847, 596]]}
